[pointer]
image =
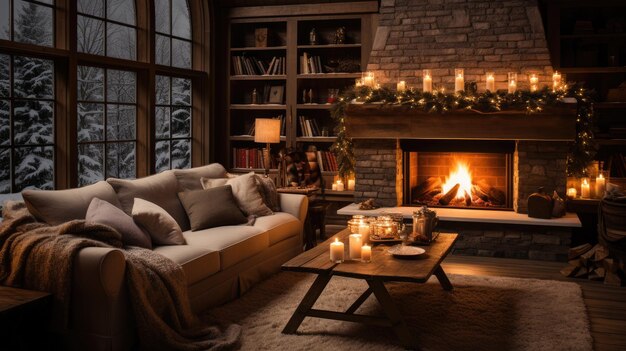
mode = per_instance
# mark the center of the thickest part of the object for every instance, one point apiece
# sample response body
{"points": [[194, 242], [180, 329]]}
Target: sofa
{"points": [[220, 263]]}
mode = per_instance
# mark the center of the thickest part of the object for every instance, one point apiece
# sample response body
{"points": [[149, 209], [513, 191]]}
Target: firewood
{"points": [[451, 194], [575, 252], [612, 278], [497, 197], [570, 270], [597, 274], [479, 192], [582, 272], [585, 258], [468, 199], [610, 265], [601, 253], [427, 187]]}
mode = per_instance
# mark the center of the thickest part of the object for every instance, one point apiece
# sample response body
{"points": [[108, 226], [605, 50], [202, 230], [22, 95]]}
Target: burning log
{"points": [[478, 192], [488, 193], [451, 194], [427, 187], [468, 199]]}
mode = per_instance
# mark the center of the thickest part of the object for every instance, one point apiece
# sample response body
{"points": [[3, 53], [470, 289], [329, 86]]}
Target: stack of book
{"points": [[251, 66], [309, 127], [250, 158], [310, 64], [327, 161]]}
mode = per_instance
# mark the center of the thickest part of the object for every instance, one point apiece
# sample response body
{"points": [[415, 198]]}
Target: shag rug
{"points": [[481, 313]]}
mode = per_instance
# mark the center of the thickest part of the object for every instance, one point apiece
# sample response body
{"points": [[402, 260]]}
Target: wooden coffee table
{"points": [[383, 268]]}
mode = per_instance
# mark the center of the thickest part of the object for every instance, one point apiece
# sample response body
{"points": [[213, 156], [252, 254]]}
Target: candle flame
{"points": [[336, 240], [585, 182], [600, 176]]}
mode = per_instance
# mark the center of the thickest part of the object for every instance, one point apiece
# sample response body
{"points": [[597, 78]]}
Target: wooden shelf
{"points": [[259, 77], [329, 46], [320, 139], [593, 69], [257, 107], [253, 48], [314, 106], [330, 76], [249, 138]]}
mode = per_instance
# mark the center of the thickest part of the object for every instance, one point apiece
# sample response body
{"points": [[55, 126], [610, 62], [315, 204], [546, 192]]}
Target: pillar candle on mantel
{"points": [[401, 86], [584, 188], [355, 243], [368, 80], [600, 185], [459, 80], [534, 82], [336, 251], [491, 82], [556, 81], [512, 82], [366, 253], [351, 184], [340, 186], [571, 193], [428, 81]]}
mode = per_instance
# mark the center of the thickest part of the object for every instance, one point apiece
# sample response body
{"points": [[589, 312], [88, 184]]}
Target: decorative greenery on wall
{"points": [[582, 149]]}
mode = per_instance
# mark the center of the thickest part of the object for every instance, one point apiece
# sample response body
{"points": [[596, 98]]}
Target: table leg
{"points": [[310, 240], [443, 279], [355, 306], [307, 302], [391, 310]]}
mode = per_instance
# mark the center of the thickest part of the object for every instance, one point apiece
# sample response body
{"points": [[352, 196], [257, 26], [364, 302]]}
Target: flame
{"points": [[460, 175]]}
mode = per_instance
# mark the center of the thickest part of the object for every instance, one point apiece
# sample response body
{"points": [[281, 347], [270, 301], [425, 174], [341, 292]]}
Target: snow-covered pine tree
{"points": [[90, 124], [5, 132]]}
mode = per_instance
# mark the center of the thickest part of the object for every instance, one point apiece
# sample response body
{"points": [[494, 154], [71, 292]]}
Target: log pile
{"points": [[594, 263], [430, 192]]}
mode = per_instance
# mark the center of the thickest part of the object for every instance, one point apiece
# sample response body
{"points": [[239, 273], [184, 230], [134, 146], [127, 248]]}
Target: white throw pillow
{"points": [[246, 193], [161, 226]]}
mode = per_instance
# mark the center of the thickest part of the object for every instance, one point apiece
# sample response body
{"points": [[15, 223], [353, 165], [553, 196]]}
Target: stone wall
{"points": [[477, 35], [377, 171]]}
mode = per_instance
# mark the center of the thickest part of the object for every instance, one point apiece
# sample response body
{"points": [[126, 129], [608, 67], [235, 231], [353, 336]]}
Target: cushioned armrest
{"points": [[294, 204], [100, 270]]}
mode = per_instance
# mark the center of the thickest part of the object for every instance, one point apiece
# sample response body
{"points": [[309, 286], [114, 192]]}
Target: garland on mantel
{"points": [[581, 151]]}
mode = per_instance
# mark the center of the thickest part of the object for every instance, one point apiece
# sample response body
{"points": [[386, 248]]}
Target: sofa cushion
{"points": [[235, 243], [279, 226], [246, 193], [267, 188], [197, 262], [160, 189], [58, 206], [189, 179], [162, 228], [211, 207], [102, 212]]}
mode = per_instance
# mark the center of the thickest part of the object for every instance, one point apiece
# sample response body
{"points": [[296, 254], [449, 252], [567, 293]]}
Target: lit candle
{"points": [[351, 184], [512, 82], [336, 251], [368, 80], [401, 86], [428, 81], [571, 193], [459, 80], [534, 82], [491, 82], [356, 242], [584, 188], [364, 229], [340, 186], [556, 81], [334, 186], [366, 253], [600, 186], [358, 83]]}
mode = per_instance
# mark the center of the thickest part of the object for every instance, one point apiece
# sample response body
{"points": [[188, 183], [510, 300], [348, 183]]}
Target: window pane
{"points": [[34, 168], [5, 123], [32, 23], [181, 154], [162, 151], [162, 16], [162, 122], [33, 123], [90, 163], [33, 78], [181, 122], [182, 53], [5, 170], [120, 86], [121, 11], [90, 122], [91, 7], [5, 87], [162, 90], [162, 50], [181, 91], [4, 22], [180, 19], [120, 122], [120, 161], [90, 35], [121, 41], [90, 83]]}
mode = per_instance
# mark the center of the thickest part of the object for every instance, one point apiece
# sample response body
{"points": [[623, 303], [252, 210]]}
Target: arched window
{"points": [[107, 27], [173, 33], [28, 22]]}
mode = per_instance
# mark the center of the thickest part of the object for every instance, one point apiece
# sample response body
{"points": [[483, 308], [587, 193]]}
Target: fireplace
{"points": [[458, 174]]}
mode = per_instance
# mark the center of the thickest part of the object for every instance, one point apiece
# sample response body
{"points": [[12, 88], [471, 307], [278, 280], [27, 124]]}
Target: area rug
{"points": [[482, 313]]}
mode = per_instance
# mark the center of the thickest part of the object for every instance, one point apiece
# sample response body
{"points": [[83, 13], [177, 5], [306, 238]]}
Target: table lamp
{"points": [[267, 130]]}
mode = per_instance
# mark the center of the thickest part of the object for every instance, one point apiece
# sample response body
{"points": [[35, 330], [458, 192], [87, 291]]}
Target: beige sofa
{"points": [[220, 263]]}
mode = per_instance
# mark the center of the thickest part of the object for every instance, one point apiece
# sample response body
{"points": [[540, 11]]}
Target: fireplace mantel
{"points": [[375, 121]]}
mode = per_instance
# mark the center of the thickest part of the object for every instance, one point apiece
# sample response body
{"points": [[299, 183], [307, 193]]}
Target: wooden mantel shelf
{"points": [[374, 121]]}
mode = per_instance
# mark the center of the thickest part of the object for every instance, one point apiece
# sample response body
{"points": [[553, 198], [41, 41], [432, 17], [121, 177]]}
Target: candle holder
{"points": [[490, 82], [512, 82], [459, 80], [534, 82], [427, 81]]}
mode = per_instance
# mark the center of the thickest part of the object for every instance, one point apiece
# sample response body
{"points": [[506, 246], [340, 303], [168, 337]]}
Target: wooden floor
{"points": [[606, 305]]}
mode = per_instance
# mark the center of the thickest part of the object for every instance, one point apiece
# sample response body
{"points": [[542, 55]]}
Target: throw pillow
{"points": [[267, 188], [189, 179], [246, 194], [102, 212], [59, 206], [213, 207], [161, 226]]}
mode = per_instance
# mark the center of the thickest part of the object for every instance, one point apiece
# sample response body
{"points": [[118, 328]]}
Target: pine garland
{"points": [[581, 152]]}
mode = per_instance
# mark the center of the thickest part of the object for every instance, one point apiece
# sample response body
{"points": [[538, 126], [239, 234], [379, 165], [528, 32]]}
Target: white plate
{"points": [[405, 251]]}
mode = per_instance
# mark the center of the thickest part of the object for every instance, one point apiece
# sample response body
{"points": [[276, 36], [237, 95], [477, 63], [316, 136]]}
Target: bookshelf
{"points": [[290, 75]]}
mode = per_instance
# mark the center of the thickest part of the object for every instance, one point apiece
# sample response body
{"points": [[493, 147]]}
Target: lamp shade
{"points": [[267, 130]]}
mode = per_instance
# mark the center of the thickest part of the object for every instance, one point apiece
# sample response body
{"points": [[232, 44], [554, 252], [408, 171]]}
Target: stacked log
{"points": [[594, 263]]}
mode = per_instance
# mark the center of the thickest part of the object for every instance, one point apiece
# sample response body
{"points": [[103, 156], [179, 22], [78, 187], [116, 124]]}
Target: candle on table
{"points": [[366, 253], [459, 80], [334, 187], [428, 81], [600, 186], [571, 193], [340, 186], [336, 251], [534, 82], [351, 183], [556, 81], [491, 82], [584, 188], [512, 82], [364, 229], [356, 242], [401, 86]]}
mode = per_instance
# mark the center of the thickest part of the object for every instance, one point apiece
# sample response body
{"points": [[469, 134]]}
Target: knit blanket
{"points": [[37, 256]]}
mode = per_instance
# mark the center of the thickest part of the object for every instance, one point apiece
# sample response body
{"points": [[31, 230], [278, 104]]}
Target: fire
{"points": [[462, 176]]}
